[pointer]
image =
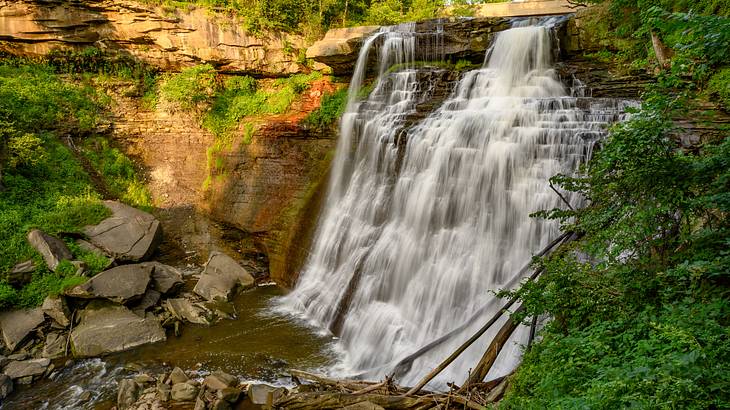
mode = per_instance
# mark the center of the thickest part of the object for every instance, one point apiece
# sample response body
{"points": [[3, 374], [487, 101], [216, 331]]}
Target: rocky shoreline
{"points": [[133, 302]]}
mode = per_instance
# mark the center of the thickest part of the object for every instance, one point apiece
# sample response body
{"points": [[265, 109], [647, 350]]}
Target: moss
{"points": [[719, 87]]}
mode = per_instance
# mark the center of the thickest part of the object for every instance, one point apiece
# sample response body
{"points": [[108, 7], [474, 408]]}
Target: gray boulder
{"points": [[16, 325], [52, 249], [6, 386], [21, 274], [166, 279], [129, 235], [27, 368], [184, 392], [221, 275], [259, 393], [127, 394], [178, 376], [229, 394], [121, 284], [219, 380], [107, 328], [56, 308], [148, 300]]}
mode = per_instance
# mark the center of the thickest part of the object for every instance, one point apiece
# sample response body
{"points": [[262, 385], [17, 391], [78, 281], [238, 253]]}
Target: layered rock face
{"points": [[170, 40]]}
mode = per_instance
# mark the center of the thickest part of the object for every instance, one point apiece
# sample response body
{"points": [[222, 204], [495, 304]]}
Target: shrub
{"points": [[331, 109], [189, 87]]}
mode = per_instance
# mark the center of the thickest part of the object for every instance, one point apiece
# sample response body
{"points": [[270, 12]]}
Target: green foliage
{"points": [[189, 87], [330, 110], [719, 85], [118, 172]]}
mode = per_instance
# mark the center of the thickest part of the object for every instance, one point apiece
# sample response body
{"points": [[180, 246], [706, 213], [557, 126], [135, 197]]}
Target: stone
{"points": [[339, 47], [18, 356], [129, 235], [56, 308], [111, 328], [55, 346], [6, 386], [26, 368], [200, 404], [16, 325], [164, 392], [127, 394], [52, 249], [121, 284], [21, 274], [149, 299], [3, 361], [85, 396], [363, 405], [259, 393], [89, 247], [220, 405], [184, 392], [144, 378], [219, 380], [178, 376], [221, 275], [185, 310], [166, 279], [229, 394]]}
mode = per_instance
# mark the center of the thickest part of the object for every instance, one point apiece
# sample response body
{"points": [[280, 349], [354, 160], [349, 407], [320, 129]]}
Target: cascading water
{"points": [[415, 236]]}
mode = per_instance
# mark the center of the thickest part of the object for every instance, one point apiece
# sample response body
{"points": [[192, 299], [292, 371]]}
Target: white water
{"points": [[407, 251]]}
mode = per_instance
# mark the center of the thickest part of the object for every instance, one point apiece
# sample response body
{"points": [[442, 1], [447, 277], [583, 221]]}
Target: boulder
{"points": [[55, 346], [121, 284], [6, 386], [166, 279], [363, 405], [178, 376], [27, 368], [221, 275], [183, 309], [16, 325], [111, 328], [229, 394], [220, 404], [129, 235], [21, 274], [259, 393], [52, 249], [219, 380], [56, 308], [184, 392], [127, 394], [339, 47]]}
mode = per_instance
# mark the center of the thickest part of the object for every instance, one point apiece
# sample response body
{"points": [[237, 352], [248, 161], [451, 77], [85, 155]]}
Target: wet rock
{"points": [[55, 346], [149, 299], [52, 249], [229, 394], [18, 356], [166, 279], [127, 393], [56, 308], [164, 392], [16, 325], [121, 284], [144, 378], [21, 274], [221, 275], [85, 396], [129, 235], [3, 361], [220, 405], [111, 328], [184, 392], [185, 310], [219, 380], [200, 404], [6, 386], [259, 393], [26, 368], [178, 376]]}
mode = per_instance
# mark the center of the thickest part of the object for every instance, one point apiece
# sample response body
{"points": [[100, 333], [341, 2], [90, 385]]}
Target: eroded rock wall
{"points": [[168, 39]]}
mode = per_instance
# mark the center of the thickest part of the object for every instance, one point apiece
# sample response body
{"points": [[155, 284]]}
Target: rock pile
{"points": [[122, 307]]}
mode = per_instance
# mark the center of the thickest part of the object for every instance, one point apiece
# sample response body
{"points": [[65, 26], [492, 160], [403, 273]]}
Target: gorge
{"points": [[208, 209]]}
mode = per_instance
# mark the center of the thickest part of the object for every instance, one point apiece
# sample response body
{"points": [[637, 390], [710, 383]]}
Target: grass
{"points": [[190, 87], [330, 110]]}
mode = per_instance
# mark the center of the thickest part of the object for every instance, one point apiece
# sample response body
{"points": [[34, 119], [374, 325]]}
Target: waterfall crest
{"points": [[422, 224]]}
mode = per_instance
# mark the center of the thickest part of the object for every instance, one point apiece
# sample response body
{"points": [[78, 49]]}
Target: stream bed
{"points": [[260, 345]]}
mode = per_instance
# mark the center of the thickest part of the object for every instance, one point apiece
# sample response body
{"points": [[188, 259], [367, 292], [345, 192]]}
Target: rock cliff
{"points": [[166, 38]]}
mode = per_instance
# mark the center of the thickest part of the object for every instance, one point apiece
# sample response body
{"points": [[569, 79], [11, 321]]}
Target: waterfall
{"points": [[423, 222]]}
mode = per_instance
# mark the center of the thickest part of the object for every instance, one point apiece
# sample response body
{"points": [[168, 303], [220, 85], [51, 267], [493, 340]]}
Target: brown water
{"points": [[258, 345]]}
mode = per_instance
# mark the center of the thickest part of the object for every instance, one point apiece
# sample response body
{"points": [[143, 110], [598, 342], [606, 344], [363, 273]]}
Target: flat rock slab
{"points": [[121, 284], [56, 308], [111, 328], [129, 235], [52, 249], [16, 325], [185, 310], [259, 393], [221, 275], [33, 367]]}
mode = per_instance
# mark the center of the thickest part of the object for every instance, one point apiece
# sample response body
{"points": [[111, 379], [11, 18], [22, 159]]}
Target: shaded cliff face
{"points": [[170, 41]]}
